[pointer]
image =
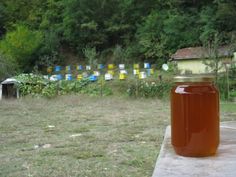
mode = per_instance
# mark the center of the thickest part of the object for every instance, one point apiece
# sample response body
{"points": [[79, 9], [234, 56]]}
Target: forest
{"points": [[39, 33]]}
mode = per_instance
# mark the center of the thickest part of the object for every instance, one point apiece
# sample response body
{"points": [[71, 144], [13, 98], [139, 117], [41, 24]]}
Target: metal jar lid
{"points": [[194, 78]]}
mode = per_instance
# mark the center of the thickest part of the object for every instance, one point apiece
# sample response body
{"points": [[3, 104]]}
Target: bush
{"points": [[232, 78], [91, 55], [149, 89], [36, 85], [67, 87], [31, 84], [49, 90], [233, 94], [222, 84], [95, 89], [222, 87], [20, 45], [7, 67], [48, 54], [119, 55]]}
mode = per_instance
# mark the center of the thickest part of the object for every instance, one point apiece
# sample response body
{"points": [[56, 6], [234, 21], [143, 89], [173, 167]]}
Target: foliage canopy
{"points": [[147, 30]]}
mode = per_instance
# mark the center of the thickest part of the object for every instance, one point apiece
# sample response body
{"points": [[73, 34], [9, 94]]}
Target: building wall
{"points": [[195, 66]]}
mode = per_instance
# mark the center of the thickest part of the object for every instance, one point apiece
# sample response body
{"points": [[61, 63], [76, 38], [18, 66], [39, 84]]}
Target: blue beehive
{"points": [[93, 78], [79, 67], [147, 65], [68, 77], [150, 72], [68, 68], [101, 66], [57, 68], [59, 77]]}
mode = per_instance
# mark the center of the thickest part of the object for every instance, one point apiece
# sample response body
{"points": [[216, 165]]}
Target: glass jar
{"points": [[194, 116]]}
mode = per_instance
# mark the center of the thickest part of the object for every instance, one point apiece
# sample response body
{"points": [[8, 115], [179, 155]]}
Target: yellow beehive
{"points": [[68, 68], [122, 76], [111, 66], [112, 72], [79, 76], [152, 71], [136, 66], [136, 71]]}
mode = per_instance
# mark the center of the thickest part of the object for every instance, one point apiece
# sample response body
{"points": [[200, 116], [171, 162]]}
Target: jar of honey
{"points": [[194, 116]]}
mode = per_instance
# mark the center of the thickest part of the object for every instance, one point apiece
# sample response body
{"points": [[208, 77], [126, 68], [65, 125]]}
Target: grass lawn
{"points": [[84, 136]]}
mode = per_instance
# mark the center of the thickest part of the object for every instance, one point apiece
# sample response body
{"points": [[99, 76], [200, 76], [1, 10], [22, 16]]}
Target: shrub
{"points": [[66, 87], [7, 67], [31, 84], [222, 83], [20, 45], [91, 55], [95, 89], [48, 54], [232, 78], [36, 85], [49, 90], [233, 94], [149, 89], [222, 87], [119, 55]]}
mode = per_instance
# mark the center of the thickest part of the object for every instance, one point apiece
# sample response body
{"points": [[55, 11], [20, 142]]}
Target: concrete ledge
{"points": [[223, 164]]}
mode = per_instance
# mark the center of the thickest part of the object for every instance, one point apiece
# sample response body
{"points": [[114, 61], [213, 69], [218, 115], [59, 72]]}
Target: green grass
{"points": [[228, 110], [112, 136], [228, 107], [83, 136]]}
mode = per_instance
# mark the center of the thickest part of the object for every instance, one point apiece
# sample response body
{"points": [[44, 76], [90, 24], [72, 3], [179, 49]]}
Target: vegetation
{"points": [[8, 67], [43, 32], [91, 55], [20, 45], [77, 135], [37, 86], [226, 82], [149, 89], [84, 136]]}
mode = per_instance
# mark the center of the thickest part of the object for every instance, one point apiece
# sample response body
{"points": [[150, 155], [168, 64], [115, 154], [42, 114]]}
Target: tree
{"points": [[48, 53], [214, 60], [91, 55], [2, 19], [7, 67], [146, 30], [20, 45], [165, 31], [150, 38], [226, 15]]}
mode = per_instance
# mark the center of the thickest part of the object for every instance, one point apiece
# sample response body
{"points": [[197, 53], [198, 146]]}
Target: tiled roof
{"points": [[199, 52]]}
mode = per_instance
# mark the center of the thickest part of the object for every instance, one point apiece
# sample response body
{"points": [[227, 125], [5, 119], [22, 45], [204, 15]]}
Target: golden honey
{"points": [[194, 116]]}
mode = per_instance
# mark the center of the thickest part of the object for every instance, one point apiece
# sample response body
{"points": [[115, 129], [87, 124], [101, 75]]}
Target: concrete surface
{"points": [[223, 164]]}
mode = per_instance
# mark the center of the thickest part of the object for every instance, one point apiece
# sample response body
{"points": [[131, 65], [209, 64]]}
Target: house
{"points": [[192, 60]]}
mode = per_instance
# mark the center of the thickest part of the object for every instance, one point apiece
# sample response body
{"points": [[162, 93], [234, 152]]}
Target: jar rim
{"points": [[194, 78]]}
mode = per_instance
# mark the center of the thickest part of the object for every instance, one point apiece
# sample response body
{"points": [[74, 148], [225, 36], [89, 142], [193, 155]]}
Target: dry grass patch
{"points": [[82, 136]]}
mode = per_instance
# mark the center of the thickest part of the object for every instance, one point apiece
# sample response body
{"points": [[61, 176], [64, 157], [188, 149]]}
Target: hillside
{"points": [[43, 32]]}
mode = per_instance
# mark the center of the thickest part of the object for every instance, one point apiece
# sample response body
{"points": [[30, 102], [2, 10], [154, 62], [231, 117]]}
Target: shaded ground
{"points": [[83, 136]]}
